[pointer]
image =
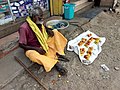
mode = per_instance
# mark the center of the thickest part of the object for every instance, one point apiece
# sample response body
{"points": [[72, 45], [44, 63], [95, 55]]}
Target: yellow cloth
{"points": [[42, 36], [56, 44]]}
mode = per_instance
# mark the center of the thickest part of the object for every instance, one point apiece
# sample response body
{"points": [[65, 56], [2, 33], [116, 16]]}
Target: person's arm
{"points": [[26, 47], [49, 31], [23, 41]]}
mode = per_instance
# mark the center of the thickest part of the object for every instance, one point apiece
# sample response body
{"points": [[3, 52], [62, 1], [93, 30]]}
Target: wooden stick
{"points": [[35, 77]]}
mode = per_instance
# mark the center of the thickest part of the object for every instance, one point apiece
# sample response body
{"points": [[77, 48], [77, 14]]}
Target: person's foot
{"points": [[62, 71], [62, 58]]}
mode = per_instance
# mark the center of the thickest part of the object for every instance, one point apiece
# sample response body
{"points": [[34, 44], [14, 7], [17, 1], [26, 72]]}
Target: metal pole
{"points": [[35, 77], [11, 10]]}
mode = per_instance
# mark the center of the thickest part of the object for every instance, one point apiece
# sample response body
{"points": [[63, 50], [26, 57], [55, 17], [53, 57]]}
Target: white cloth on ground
{"points": [[73, 46]]}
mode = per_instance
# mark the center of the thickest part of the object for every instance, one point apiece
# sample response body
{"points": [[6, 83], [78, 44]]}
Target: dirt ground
{"points": [[80, 76]]}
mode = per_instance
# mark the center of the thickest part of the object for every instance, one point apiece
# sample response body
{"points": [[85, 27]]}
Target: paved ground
{"points": [[81, 77]]}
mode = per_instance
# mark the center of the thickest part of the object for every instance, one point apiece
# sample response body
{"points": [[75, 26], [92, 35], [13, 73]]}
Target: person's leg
{"points": [[114, 4], [60, 42], [47, 62], [56, 46], [97, 3]]}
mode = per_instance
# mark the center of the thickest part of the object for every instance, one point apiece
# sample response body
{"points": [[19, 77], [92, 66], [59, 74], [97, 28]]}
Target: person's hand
{"points": [[40, 50], [49, 31]]}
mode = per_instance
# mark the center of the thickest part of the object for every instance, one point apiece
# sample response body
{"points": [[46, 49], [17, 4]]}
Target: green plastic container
{"points": [[4, 8], [69, 11]]}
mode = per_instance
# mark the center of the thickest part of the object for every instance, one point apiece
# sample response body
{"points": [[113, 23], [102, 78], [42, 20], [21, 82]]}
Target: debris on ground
{"points": [[116, 68], [104, 67]]}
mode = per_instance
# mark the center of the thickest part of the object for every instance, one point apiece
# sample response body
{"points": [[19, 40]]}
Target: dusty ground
{"points": [[82, 77]]}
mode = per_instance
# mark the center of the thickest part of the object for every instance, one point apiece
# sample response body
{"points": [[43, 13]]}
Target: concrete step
{"points": [[84, 7], [8, 44], [10, 27], [79, 2], [10, 68]]}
